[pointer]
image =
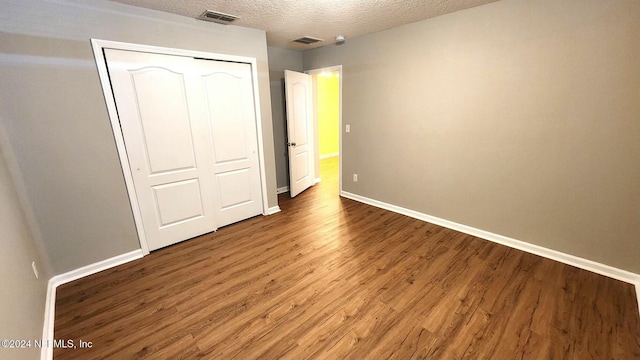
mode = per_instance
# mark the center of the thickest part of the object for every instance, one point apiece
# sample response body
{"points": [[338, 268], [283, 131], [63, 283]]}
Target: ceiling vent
{"points": [[307, 40], [218, 17]]}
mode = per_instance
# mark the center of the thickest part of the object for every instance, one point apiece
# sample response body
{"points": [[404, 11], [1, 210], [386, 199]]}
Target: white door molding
{"points": [[98, 51]]}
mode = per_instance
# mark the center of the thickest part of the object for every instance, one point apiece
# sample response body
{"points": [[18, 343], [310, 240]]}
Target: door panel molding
{"points": [[99, 46]]}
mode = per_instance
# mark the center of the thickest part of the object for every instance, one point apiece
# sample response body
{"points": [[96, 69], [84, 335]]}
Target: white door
{"points": [[228, 94], [169, 111], [299, 131]]}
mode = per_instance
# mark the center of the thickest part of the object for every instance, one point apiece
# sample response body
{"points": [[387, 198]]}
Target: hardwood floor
{"points": [[331, 278]]}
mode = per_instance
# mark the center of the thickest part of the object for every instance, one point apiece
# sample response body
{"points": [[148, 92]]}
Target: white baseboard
{"points": [[95, 267], [46, 352], [283, 189], [317, 181], [326, 156], [637, 284], [590, 265], [273, 210], [50, 303]]}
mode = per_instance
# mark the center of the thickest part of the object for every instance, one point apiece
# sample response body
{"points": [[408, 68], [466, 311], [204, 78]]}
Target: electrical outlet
{"points": [[35, 268], [355, 177]]}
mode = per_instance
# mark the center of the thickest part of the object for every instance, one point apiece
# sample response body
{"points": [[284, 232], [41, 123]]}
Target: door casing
{"points": [[98, 46]]}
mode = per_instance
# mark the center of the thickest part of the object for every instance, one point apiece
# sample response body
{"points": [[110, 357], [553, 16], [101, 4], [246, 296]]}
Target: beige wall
{"points": [[22, 301], [519, 117], [279, 61], [53, 110]]}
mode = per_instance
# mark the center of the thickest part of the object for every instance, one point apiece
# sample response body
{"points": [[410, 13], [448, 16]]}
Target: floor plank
{"points": [[331, 278]]}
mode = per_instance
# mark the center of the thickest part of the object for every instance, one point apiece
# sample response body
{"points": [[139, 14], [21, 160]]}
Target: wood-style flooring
{"points": [[331, 278]]}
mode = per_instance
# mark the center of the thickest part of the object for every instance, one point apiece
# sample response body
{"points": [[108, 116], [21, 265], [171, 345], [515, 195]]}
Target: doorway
{"points": [[327, 85]]}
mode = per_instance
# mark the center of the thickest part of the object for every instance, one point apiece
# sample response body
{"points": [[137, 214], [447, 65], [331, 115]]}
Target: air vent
{"points": [[218, 17], [307, 40]]}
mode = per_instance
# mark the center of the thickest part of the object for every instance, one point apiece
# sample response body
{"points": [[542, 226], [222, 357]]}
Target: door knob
{"points": [[291, 144]]}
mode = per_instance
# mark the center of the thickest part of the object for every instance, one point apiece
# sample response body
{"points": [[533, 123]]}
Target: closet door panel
{"points": [[169, 158], [228, 92]]}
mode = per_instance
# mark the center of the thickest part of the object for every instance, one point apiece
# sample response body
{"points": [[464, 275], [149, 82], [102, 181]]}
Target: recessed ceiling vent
{"points": [[307, 40], [218, 17]]}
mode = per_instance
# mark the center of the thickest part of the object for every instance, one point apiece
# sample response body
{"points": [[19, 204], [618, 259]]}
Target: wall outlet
{"points": [[355, 177], [35, 268]]}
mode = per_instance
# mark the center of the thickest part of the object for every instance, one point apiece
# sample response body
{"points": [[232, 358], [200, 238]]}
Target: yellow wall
{"points": [[328, 112]]}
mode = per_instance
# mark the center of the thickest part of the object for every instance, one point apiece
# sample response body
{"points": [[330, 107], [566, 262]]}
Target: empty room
{"points": [[370, 179]]}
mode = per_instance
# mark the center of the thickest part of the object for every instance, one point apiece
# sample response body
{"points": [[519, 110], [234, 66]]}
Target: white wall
{"points": [[52, 107], [517, 117]]}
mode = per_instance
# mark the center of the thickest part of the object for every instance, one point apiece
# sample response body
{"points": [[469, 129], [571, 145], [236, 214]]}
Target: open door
{"points": [[298, 91]]}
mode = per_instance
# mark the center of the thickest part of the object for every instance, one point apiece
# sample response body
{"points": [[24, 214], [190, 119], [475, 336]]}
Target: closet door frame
{"points": [[98, 52]]}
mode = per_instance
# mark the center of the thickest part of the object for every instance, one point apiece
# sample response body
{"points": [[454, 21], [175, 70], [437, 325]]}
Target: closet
{"points": [[190, 133]]}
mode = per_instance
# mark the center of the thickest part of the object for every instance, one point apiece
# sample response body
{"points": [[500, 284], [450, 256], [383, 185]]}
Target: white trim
{"points": [[590, 265], [99, 44], [256, 104], [326, 156], [46, 353], [101, 64], [98, 47], [317, 180], [637, 284], [96, 267], [339, 69], [282, 190], [273, 210]]}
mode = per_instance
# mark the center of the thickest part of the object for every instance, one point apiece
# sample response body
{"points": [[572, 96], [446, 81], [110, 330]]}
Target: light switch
{"points": [[347, 128]]}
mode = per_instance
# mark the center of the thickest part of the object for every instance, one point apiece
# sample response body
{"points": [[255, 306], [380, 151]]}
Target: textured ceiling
{"points": [[285, 20]]}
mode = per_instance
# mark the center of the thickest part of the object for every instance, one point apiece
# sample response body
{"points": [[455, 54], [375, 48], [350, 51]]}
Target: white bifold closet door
{"points": [[189, 128]]}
